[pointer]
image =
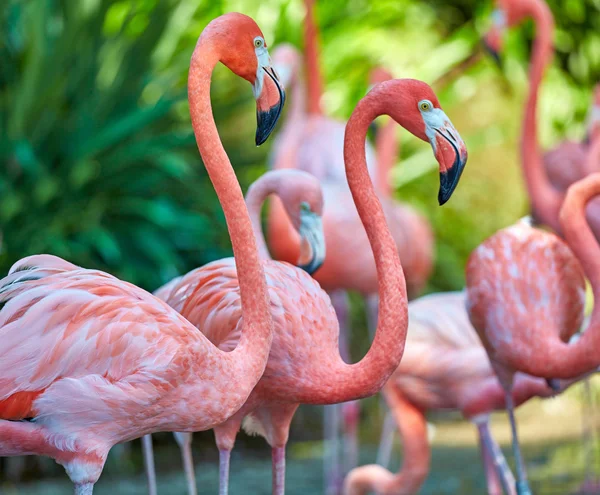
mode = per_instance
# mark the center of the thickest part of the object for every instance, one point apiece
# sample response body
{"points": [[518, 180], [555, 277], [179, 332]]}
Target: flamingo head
{"points": [[493, 41], [287, 62], [243, 50], [414, 105], [302, 198]]}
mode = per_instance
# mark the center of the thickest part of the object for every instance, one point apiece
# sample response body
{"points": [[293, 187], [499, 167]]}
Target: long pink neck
{"points": [[582, 356], [291, 133], [311, 61], [387, 147], [255, 198], [347, 382], [416, 454], [546, 200], [255, 342]]}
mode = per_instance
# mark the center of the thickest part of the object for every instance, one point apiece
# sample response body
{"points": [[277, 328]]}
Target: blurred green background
{"points": [[99, 164]]}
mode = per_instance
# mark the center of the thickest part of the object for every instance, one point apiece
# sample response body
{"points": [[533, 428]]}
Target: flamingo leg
{"points": [[331, 462], [351, 415], [149, 463], [331, 459], [498, 474], [84, 489], [184, 440], [386, 443], [522, 483], [278, 470], [224, 456]]}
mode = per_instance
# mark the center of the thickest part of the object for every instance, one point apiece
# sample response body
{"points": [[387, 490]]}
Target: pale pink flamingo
{"points": [[89, 361], [299, 371], [444, 367], [540, 177], [526, 296]]}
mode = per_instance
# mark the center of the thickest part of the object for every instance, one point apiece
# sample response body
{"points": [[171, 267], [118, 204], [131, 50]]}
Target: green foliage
{"points": [[99, 164]]}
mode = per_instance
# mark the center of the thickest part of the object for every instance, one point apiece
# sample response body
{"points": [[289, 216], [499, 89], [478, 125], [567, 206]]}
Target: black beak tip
{"points": [[449, 180], [554, 384], [266, 121], [493, 53], [311, 267]]}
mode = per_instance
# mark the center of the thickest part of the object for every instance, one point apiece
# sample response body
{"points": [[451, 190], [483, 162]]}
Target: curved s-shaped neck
{"points": [[256, 335], [546, 200], [312, 66]]}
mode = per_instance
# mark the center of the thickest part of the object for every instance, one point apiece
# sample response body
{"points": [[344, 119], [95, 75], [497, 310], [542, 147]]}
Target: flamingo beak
{"points": [[451, 153], [492, 41], [270, 98], [312, 242]]}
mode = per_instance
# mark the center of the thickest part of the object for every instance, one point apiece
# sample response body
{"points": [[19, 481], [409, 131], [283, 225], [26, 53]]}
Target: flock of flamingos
{"points": [[88, 361]]}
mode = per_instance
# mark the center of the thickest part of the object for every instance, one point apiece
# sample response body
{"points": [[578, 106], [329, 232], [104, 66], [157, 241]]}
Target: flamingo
{"points": [[211, 301], [546, 176], [305, 366], [89, 361], [311, 142], [444, 366], [526, 295]]}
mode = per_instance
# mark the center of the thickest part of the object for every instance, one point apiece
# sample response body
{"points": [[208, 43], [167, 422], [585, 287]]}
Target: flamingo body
{"points": [[525, 288]]}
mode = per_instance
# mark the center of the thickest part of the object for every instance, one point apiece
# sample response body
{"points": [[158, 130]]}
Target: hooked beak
{"points": [[451, 154], [269, 103], [312, 242]]}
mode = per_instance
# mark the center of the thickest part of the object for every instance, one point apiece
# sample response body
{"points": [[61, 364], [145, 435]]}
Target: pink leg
{"points": [[351, 415], [278, 471], [331, 461], [149, 463], [184, 440], [224, 456]]}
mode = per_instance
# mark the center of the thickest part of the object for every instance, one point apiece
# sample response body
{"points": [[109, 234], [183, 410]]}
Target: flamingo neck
{"points": [[311, 61], [416, 454], [256, 337], [546, 200], [582, 356], [255, 198], [368, 376], [387, 147]]}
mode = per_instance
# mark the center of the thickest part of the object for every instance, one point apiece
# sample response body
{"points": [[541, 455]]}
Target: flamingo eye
{"points": [[259, 42], [425, 105]]}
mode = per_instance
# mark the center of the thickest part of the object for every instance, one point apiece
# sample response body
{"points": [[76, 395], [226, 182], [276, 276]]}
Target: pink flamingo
{"points": [[210, 299], [444, 366], [90, 361], [525, 297], [298, 371], [343, 234], [542, 172]]}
